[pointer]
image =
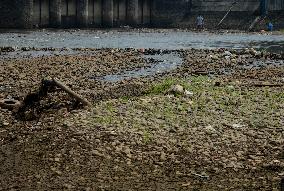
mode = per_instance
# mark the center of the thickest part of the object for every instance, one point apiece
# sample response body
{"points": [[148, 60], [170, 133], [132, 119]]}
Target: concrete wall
{"points": [[114, 13], [167, 12], [98, 14], [221, 5], [122, 12], [275, 5]]}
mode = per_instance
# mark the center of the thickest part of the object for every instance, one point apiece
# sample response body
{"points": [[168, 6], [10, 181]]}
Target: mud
{"points": [[160, 63], [225, 133]]}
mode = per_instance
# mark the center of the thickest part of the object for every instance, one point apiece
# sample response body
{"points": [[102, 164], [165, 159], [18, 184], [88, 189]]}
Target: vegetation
{"points": [[210, 104]]}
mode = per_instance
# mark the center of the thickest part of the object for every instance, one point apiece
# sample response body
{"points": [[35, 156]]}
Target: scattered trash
{"points": [[10, 104]]}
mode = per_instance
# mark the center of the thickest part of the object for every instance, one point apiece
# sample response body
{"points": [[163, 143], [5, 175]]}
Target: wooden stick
{"points": [[255, 21], [227, 13], [70, 92]]}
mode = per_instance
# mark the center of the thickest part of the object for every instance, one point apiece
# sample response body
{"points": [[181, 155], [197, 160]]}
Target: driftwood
{"points": [[32, 101], [71, 93]]}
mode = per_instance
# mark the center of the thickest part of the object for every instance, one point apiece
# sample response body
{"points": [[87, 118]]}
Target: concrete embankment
{"points": [[139, 13]]}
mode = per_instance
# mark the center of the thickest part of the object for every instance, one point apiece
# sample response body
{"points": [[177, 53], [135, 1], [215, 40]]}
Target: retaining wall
{"points": [[115, 13]]}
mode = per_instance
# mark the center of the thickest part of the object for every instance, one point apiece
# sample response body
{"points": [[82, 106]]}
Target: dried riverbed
{"points": [[222, 130]]}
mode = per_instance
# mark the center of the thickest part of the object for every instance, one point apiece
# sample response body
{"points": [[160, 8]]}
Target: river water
{"points": [[159, 39]]}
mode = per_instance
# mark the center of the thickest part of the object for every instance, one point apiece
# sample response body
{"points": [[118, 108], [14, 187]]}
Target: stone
{"points": [[5, 123], [214, 57], [56, 159], [186, 184], [240, 153], [176, 89], [227, 53], [163, 156], [188, 93], [210, 129]]}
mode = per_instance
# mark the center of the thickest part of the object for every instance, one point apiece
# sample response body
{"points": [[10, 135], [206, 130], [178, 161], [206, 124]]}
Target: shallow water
{"points": [[159, 39], [163, 63], [165, 39]]}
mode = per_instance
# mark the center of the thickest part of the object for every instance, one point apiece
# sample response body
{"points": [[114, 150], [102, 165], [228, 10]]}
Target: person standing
{"points": [[270, 26]]}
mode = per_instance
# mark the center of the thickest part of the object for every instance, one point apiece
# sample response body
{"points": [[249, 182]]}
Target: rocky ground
{"points": [[214, 122]]}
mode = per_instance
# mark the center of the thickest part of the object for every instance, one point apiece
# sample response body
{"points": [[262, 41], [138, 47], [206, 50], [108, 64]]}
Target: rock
{"points": [[56, 159], [128, 162], [227, 53], [176, 89], [163, 156], [188, 93], [230, 87], [68, 186], [214, 57], [95, 152], [5, 123], [67, 124], [237, 126], [253, 52], [186, 184], [210, 129], [240, 153]]}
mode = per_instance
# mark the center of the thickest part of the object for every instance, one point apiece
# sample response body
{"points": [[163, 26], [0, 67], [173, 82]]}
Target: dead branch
{"points": [[71, 93]]}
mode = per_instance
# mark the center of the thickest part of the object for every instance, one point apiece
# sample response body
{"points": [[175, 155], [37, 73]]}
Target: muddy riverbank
{"points": [[211, 120]]}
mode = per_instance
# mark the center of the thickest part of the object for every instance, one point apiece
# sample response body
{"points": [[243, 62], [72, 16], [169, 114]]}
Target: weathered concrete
{"points": [[98, 14], [168, 12], [122, 12], [55, 13], [132, 12], [91, 8], [27, 14], [82, 13], [115, 13], [108, 13], [157, 13], [9, 14], [147, 12]]}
